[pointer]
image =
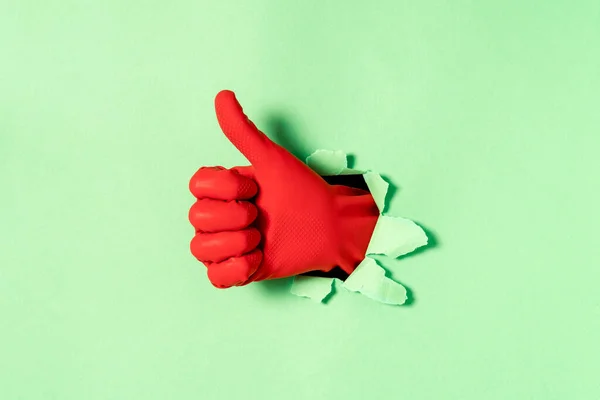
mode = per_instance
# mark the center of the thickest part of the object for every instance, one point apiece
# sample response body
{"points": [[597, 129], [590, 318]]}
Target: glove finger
{"points": [[240, 131], [247, 171], [208, 215], [222, 184], [219, 246], [235, 271]]}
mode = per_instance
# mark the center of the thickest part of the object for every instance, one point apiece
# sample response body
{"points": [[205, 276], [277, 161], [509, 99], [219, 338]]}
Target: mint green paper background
{"points": [[484, 114]]}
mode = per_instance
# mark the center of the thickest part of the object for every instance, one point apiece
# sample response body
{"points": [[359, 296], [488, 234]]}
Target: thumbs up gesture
{"points": [[276, 218]]}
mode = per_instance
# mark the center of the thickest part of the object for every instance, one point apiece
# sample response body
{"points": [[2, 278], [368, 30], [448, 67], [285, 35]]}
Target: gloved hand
{"points": [[276, 218]]}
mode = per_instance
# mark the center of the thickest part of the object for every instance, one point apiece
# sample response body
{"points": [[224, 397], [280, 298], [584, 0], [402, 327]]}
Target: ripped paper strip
{"points": [[327, 163], [314, 287], [378, 188], [369, 279], [393, 237]]}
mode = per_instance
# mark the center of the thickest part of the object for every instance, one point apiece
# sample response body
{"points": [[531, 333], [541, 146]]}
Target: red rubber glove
{"points": [[276, 218]]}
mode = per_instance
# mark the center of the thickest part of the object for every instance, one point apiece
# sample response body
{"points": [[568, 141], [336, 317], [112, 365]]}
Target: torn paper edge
{"points": [[411, 236]]}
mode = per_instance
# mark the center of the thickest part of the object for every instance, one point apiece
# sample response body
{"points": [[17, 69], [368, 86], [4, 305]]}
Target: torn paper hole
{"points": [[393, 237]]}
